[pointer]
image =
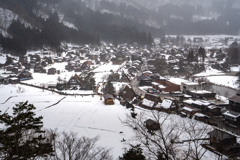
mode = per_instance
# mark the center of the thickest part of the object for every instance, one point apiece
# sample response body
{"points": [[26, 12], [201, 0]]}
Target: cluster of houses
{"points": [[190, 99], [146, 87]]}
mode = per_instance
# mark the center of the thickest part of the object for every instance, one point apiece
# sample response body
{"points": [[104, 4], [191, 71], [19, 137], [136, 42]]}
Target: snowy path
{"points": [[53, 104], [8, 99]]}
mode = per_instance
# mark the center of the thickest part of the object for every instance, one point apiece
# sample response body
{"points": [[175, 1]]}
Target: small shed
{"points": [[224, 142], [13, 80], [201, 117], [152, 125], [52, 71], [108, 99]]}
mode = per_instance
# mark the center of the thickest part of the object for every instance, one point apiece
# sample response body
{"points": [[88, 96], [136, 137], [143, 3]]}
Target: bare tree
{"points": [[20, 89], [159, 144], [195, 135], [176, 137], [69, 146]]}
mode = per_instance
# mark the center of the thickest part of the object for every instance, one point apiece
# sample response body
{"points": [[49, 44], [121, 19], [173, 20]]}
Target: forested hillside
{"points": [[42, 22]]}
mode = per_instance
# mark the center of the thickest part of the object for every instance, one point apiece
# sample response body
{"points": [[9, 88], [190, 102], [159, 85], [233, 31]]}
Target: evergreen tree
{"points": [[190, 55], [109, 88], [8, 61], [202, 53], [150, 39], [134, 153], [22, 137]]}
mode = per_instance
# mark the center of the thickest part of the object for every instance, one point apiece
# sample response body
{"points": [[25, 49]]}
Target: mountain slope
{"points": [[29, 24]]}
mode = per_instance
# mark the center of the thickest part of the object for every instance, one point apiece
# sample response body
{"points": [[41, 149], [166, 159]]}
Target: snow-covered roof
{"points": [[161, 86], [200, 115], [189, 101], [147, 72], [155, 83], [212, 107], [147, 102], [187, 96], [190, 83], [167, 103], [232, 114], [188, 109], [200, 91]]}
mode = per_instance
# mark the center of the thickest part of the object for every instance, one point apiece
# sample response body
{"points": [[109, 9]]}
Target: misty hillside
{"points": [[30, 24], [178, 16]]}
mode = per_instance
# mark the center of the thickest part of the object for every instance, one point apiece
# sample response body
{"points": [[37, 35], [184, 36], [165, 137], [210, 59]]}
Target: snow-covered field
{"points": [[209, 72], [227, 81], [219, 78], [88, 116]]}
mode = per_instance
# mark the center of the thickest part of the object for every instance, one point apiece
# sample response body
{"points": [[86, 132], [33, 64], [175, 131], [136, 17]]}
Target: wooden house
{"points": [[224, 142], [108, 99], [167, 105], [234, 103], [52, 71], [115, 77], [25, 76], [190, 111], [15, 70], [155, 76], [125, 78], [167, 86], [189, 86], [201, 94], [128, 93], [44, 63], [150, 100], [151, 125], [74, 81], [201, 117], [132, 69], [27, 65], [232, 117], [214, 111], [144, 80], [86, 65], [9, 68], [147, 73], [13, 80], [39, 69], [153, 97], [200, 104]]}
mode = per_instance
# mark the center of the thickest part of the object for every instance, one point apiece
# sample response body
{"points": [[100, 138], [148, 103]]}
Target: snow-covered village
{"points": [[119, 80], [108, 90]]}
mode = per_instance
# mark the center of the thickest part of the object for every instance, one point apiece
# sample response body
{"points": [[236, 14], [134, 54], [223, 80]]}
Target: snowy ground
{"points": [[88, 116], [219, 78], [235, 69], [209, 72], [227, 81]]}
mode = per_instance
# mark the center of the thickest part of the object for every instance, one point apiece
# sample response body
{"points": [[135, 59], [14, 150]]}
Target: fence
{"points": [[58, 92]]}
